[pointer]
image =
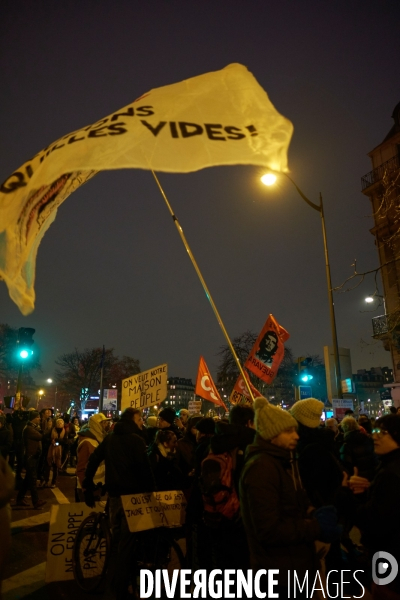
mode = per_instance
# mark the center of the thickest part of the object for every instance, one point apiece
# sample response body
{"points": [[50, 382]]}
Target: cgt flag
{"points": [[205, 387], [268, 351], [240, 390], [219, 118]]}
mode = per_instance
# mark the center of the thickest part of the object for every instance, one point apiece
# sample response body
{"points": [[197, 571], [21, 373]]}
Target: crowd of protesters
{"points": [[265, 488]]}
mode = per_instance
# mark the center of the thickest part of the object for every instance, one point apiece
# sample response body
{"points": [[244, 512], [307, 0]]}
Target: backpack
{"points": [[220, 500]]}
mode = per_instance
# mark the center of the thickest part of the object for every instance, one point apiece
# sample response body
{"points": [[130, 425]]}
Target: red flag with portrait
{"points": [[205, 386], [268, 351]]}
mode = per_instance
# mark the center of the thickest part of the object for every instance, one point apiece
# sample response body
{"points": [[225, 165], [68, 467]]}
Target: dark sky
{"points": [[111, 269]]}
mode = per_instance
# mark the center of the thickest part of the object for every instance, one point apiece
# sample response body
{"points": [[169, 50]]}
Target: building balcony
{"points": [[377, 174]]}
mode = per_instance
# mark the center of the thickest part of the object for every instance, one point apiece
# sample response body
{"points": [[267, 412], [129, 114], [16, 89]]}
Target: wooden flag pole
{"points": [[203, 283]]}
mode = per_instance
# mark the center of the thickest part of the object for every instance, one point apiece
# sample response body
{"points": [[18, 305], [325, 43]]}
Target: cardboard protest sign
{"points": [[154, 509], [64, 523], [240, 393], [205, 386], [268, 351], [340, 406], [219, 118], [145, 389], [194, 407], [110, 399]]}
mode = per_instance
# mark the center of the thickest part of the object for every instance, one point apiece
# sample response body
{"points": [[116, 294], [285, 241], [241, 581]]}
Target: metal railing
{"points": [[380, 325], [377, 174]]}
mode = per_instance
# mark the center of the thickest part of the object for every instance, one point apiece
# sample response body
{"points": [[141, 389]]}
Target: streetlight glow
{"points": [[369, 299], [268, 179], [49, 380]]}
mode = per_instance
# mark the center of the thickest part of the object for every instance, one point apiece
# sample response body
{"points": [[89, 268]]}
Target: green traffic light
{"points": [[25, 353], [306, 377]]}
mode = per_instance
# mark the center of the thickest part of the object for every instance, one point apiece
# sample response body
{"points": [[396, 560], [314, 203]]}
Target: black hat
{"points": [[206, 425], [391, 424], [33, 414], [168, 414]]}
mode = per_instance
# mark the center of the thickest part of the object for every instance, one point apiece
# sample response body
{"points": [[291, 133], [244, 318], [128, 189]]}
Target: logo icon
{"points": [[384, 568]]}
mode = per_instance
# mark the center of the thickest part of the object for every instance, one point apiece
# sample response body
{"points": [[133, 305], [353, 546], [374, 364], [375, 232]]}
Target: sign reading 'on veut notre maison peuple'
{"points": [[145, 389]]}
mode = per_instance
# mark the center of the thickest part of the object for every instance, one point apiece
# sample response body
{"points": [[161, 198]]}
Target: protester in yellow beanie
{"points": [[308, 412], [320, 472]]}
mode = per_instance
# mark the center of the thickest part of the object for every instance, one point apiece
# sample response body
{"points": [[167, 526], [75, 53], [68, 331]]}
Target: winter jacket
{"points": [[32, 439], [87, 443], [6, 437], [58, 440], [186, 453], [19, 421], [128, 469], [378, 517], [320, 470], [165, 467], [358, 451], [274, 508]]}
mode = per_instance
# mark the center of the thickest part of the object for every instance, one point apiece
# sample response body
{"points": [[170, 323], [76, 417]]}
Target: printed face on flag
{"points": [[268, 351], [205, 386], [218, 118]]}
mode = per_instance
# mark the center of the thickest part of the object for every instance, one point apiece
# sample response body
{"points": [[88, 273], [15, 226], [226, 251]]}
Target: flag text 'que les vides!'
{"points": [[219, 118]]}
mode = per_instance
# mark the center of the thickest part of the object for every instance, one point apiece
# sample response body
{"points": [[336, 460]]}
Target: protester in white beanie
{"points": [[271, 420]]}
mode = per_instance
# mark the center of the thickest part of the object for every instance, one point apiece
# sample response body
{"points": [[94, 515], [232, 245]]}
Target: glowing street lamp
{"points": [[370, 299], [268, 179]]}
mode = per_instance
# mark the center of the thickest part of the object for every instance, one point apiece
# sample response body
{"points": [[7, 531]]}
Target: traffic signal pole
{"points": [[17, 405], [24, 351]]}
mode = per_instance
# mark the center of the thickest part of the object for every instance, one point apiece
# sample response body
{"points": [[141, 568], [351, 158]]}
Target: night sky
{"points": [[112, 269]]}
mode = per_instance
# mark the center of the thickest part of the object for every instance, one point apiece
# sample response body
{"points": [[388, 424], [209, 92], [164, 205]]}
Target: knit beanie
{"points": [[168, 414], [206, 426], [33, 414], [308, 412], [391, 424], [151, 421], [271, 420]]}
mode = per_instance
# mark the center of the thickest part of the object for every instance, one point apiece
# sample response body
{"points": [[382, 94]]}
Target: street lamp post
{"points": [[269, 179], [55, 394], [39, 397]]}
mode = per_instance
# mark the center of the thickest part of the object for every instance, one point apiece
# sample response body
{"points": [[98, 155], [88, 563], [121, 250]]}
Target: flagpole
{"points": [[101, 381], [203, 283]]}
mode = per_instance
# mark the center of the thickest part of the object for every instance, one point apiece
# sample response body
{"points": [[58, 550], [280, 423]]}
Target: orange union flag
{"points": [[205, 387], [268, 351], [240, 390]]}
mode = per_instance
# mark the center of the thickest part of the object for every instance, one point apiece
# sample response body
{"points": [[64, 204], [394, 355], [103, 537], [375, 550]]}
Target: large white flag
{"points": [[219, 118]]}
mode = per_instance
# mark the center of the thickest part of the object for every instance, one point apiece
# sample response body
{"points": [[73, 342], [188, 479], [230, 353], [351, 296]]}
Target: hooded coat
{"points": [[274, 508], [128, 469], [89, 438]]}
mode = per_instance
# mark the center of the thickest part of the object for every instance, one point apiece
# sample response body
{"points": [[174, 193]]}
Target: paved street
{"points": [[25, 572]]}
